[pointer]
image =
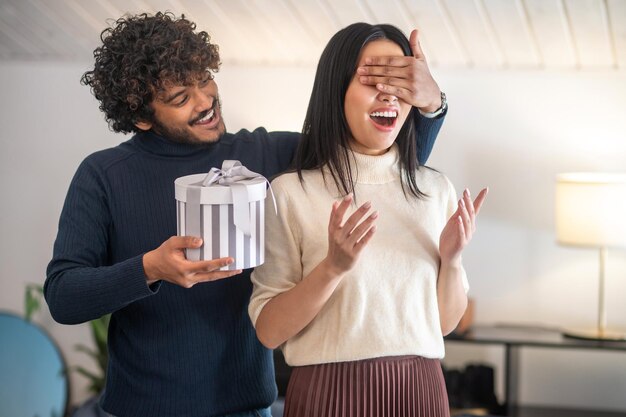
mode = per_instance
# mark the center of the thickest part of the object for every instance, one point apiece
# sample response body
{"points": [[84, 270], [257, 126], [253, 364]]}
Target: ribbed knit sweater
{"points": [[172, 351], [386, 305]]}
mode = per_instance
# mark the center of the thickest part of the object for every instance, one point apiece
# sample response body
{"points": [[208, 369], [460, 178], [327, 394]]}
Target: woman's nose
{"points": [[387, 97]]}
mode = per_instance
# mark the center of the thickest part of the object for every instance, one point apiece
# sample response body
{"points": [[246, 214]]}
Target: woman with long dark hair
{"points": [[359, 307]]}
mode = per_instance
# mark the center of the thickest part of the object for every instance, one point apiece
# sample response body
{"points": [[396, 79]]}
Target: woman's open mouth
{"points": [[384, 120]]}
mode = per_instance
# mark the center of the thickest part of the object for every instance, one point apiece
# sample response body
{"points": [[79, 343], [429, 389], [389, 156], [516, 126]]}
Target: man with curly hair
{"points": [[176, 348]]}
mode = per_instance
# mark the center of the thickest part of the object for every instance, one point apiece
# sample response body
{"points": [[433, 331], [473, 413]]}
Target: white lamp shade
{"points": [[591, 209]]}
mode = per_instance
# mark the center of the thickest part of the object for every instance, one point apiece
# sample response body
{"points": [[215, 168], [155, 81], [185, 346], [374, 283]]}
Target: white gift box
{"points": [[226, 209]]}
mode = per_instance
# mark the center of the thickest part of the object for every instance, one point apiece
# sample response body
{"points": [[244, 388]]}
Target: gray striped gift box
{"points": [[209, 212]]}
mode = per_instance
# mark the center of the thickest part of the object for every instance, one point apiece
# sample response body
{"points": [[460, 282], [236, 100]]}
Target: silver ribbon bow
{"points": [[233, 174]]}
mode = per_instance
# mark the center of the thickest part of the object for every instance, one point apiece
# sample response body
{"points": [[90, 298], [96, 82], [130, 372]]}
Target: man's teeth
{"points": [[207, 117], [384, 114]]}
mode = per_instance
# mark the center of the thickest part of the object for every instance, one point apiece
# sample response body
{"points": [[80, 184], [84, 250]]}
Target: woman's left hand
{"points": [[460, 227], [406, 77]]}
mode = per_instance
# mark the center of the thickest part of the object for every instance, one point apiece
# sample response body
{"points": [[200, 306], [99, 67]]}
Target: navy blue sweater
{"points": [[172, 351]]}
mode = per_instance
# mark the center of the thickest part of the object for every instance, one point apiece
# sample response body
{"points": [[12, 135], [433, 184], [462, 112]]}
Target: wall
{"points": [[512, 131]]}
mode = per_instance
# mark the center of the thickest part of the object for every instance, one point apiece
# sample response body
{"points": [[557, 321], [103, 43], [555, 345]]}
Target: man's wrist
{"points": [[440, 111], [148, 269]]}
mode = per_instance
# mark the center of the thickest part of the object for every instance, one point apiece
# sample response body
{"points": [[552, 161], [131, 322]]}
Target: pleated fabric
{"points": [[400, 386]]}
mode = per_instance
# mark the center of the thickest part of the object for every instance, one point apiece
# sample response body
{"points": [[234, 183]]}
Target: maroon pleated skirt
{"points": [[399, 386]]}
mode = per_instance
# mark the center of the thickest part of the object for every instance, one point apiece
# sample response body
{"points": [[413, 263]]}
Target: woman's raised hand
{"points": [[347, 240], [460, 227]]}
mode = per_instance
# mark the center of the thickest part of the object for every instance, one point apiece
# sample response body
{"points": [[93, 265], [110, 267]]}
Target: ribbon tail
{"points": [[273, 198], [241, 208]]}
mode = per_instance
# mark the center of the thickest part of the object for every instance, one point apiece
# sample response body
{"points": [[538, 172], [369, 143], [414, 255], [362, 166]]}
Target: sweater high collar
{"points": [[159, 145], [376, 169]]}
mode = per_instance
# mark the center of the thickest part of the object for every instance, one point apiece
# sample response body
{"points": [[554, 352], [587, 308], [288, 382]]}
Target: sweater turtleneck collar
{"points": [[158, 145], [376, 169]]}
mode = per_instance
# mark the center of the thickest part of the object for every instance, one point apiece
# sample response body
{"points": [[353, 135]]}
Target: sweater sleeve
{"points": [[81, 284], [282, 269], [426, 131]]}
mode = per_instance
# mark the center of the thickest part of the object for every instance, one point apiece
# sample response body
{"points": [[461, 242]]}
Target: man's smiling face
{"points": [[188, 114]]}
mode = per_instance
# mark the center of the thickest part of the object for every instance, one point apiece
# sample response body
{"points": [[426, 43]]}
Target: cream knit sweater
{"points": [[387, 304]]}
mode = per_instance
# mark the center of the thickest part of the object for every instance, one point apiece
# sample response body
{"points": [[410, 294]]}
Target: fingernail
{"points": [[466, 192], [197, 241], [374, 214], [461, 203], [360, 70], [380, 86], [229, 261], [367, 204], [368, 60]]}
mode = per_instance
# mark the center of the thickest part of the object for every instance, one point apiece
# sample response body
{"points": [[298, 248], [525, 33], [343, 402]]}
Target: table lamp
{"points": [[591, 212]]}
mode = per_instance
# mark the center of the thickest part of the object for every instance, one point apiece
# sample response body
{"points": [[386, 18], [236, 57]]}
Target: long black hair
{"points": [[326, 134]]}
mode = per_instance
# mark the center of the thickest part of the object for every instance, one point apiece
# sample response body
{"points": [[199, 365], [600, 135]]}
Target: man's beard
{"points": [[181, 135]]}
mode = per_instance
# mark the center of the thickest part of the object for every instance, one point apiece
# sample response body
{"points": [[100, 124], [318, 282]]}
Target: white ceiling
{"points": [[506, 34]]}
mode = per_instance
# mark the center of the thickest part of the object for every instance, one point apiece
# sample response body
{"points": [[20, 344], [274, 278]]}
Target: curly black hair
{"points": [[141, 56]]}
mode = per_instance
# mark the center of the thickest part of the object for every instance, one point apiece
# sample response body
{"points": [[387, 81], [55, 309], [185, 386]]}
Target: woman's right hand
{"points": [[347, 240]]}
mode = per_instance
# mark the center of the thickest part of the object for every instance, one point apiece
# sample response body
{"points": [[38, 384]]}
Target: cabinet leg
{"points": [[511, 378]]}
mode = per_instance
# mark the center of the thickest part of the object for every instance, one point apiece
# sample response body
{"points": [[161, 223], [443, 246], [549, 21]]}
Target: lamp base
{"points": [[606, 336]]}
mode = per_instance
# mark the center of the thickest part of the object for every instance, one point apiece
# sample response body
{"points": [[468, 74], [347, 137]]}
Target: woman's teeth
{"points": [[384, 114], [385, 118]]}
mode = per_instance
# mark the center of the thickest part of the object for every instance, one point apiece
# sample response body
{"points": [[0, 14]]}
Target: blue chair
{"points": [[33, 380]]}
